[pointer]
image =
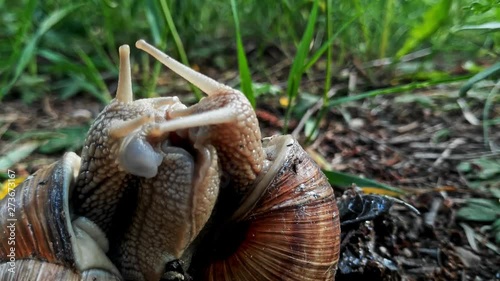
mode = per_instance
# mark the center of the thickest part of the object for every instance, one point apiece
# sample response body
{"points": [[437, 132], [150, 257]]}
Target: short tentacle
{"points": [[124, 90]]}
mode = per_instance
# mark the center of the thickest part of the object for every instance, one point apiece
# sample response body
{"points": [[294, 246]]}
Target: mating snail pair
{"points": [[163, 192]]}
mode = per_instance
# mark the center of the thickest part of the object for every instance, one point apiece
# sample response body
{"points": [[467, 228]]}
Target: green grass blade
{"points": [[493, 122], [328, 75], [66, 139], [489, 26], [25, 21], [388, 16], [30, 49], [151, 11], [109, 24], [363, 22], [18, 153], [327, 45], [296, 71], [152, 79], [346, 180], [156, 25], [103, 54], [396, 89], [178, 41], [245, 77], [490, 101], [93, 74], [329, 53], [478, 77], [434, 18]]}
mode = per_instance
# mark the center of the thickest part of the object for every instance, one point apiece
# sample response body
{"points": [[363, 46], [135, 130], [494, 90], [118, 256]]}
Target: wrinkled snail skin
{"points": [[119, 147], [175, 232], [207, 194], [176, 181], [48, 243]]}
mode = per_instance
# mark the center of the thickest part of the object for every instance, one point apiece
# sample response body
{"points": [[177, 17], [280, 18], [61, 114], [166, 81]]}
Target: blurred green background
{"points": [[64, 48]]}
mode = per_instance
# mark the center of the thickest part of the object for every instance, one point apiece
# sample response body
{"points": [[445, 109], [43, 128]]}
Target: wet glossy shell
{"points": [[43, 238], [292, 233]]}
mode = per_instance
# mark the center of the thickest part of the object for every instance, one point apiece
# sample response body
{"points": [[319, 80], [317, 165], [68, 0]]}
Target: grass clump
{"points": [[69, 47]]}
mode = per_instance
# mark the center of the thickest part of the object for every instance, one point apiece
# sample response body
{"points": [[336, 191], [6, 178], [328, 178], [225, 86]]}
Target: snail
{"points": [[163, 191], [38, 239]]}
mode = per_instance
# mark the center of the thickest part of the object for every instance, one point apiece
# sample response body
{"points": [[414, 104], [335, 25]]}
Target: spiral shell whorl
{"points": [[293, 231], [38, 212], [47, 245]]}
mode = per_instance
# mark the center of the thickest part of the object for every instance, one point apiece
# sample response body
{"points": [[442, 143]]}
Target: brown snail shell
{"points": [[277, 219], [45, 243], [293, 230]]}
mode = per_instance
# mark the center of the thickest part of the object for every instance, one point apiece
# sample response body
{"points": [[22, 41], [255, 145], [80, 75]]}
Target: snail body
{"points": [[162, 184]]}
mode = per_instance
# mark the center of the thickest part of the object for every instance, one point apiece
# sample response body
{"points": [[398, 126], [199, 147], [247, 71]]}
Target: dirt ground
{"points": [[407, 144], [397, 143]]}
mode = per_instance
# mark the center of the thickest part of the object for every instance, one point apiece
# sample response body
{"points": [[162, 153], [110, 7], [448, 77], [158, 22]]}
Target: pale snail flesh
{"points": [[160, 182]]}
